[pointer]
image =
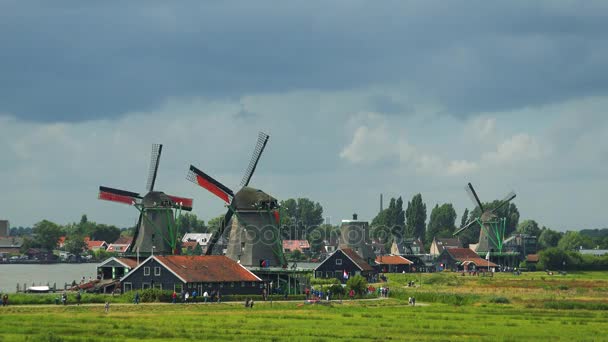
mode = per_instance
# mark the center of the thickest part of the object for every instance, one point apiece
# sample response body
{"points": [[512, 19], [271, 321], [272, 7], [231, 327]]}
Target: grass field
{"points": [[521, 314]]}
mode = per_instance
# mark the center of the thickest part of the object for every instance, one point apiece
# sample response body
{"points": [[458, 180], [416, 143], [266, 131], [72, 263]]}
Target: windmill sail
{"points": [[504, 201], [473, 195], [117, 195], [198, 177], [255, 158], [154, 161]]}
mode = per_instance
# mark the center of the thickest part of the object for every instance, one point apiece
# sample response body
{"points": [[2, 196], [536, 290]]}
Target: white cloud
{"points": [[520, 147], [461, 167]]}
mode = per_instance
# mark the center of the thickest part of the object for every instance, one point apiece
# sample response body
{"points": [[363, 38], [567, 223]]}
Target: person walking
{"points": [[219, 297], [64, 298], [5, 299], [136, 298], [205, 296], [107, 307], [351, 294], [173, 297], [186, 297], [78, 298]]}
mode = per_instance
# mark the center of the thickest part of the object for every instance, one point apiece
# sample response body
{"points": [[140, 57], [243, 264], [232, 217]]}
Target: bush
{"points": [[499, 300], [322, 281], [357, 284]]}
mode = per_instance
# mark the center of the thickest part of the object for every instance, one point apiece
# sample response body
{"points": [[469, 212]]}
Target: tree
{"points": [[548, 238], [552, 258], [357, 284], [47, 234], [215, 223], [317, 236], [574, 240], [189, 223], [529, 227], [301, 216], [465, 218], [295, 255], [442, 222], [103, 232], [415, 218], [75, 245]]}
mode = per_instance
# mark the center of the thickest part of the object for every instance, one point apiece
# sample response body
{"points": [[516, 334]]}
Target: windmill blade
{"points": [[219, 233], [182, 203], [154, 161], [465, 227], [117, 195], [473, 195], [200, 178], [505, 200], [257, 153]]}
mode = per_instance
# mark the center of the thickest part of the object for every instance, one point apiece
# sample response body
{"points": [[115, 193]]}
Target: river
{"points": [[13, 274]]}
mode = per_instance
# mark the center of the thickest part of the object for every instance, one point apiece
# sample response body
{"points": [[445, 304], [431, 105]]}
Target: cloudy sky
{"points": [[359, 97]]}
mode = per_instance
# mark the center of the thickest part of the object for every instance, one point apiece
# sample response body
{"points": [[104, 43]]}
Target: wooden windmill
{"points": [[252, 218], [157, 226]]}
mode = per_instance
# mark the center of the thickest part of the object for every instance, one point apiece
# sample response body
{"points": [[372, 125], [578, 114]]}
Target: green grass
{"points": [[379, 320], [529, 307]]}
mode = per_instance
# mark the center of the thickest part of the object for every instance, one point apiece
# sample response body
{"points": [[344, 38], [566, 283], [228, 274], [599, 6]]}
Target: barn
{"points": [[187, 273], [343, 264]]}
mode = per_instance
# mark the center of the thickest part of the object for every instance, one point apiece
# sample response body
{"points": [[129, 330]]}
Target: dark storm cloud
{"points": [[70, 62]]}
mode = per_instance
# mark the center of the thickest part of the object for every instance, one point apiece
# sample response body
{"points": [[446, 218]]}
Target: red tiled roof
{"points": [[532, 258], [132, 263], [364, 266], [206, 268], [479, 262], [189, 244], [462, 253], [293, 245], [392, 260], [92, 244]]}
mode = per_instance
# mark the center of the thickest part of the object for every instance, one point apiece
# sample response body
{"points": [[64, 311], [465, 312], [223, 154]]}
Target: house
{"points": [[296, 245], [93, 245], [439, 244], [61, 241], [393, 264], [189, 246], [121, 245], [522, 244], [343, 264], [378, 247], [463, 259], [201, 273], [200, 238], [115, 268], [402, 246], [10, 245]]}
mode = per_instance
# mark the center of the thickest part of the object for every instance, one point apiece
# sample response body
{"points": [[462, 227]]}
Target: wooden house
{"points": [[439, 244], [393, 264], [463, 259], [201, 273], [343, 264]]}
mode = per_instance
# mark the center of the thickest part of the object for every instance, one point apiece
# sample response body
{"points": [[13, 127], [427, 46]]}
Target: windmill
{"points": [[492, 233], [157, 226], [252, 217]]}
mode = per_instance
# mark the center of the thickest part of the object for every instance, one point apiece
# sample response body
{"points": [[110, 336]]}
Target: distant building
{"points": [[209, 273], [93, 245], [354, 234], [522, 244], [10, 245], [596, 252], [121, 245], [115, 268], [462, 259], [5, 228], [203, 239], [393, 264], [407, 247], [439, 244], [296, 245], [343, 264]]}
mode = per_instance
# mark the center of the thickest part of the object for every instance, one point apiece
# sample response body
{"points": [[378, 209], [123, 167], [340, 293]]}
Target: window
{"points": [[157, 271], [145, 286], [128, 287], [177, 288], [253, 284], [338, 261], [319, 274], [329, 274], [146, 271], [158, 286], [231, 284], [242, 284], [221, 284]]}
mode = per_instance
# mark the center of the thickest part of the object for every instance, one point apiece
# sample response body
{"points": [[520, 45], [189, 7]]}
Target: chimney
{"points": [[355, 217]]}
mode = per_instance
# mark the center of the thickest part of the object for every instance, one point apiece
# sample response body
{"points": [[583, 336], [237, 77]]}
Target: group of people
{"points": [[249, 303], [187, 297], [412, 301], [383, 292]]}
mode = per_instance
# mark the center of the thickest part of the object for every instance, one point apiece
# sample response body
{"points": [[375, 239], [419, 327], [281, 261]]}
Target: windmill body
{"points": [[156, 230], [251, 223]]}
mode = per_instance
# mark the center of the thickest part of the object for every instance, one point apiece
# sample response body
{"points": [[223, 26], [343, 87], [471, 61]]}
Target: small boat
{"points": [[38, 289]]}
